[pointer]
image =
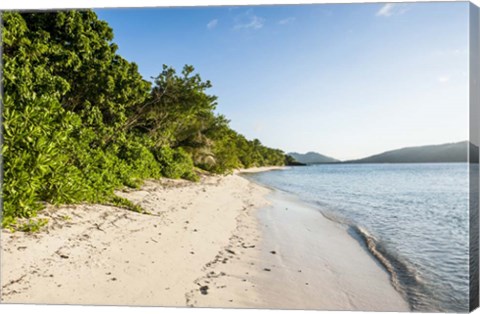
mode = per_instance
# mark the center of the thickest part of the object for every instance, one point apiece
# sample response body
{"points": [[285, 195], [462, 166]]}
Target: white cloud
{"points": [[248, 21], [443, 79], [288, 20], [212, 24], [390, 9], [386, 10]]}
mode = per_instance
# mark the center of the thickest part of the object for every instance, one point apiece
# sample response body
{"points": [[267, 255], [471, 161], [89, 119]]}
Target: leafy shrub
{"points": [[141, 159], [124, 203], [80, 121], [175, 163], [33, 225]]}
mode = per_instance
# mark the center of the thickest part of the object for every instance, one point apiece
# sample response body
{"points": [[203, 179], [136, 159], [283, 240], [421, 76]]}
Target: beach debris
{"points": [[13, 281], [204, 290], [267, 269], [230, 251], [98, 227], [64, 256], [21, 248], [273, 252]]}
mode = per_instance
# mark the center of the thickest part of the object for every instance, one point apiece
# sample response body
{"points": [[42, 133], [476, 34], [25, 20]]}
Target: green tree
{"points": [[80, 121]]}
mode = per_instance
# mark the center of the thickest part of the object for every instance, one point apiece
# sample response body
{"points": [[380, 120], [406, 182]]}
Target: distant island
{"points": [[450, 152], [312, 158]]}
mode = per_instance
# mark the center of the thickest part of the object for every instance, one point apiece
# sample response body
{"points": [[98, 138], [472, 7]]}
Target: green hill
{"points": [[451, 152]]}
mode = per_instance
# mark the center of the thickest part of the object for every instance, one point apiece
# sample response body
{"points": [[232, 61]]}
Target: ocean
{"points": [[412, 217]]}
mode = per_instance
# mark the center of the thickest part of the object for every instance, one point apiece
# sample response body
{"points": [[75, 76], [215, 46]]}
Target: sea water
{"points": [[412, 217]]}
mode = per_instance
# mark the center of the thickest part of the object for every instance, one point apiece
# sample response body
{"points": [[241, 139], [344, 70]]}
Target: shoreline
{"points": [[351, 277], [260, 169], [193, 252]]}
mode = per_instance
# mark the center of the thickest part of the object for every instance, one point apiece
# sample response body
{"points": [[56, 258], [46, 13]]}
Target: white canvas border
{"points": [[59, 4]]}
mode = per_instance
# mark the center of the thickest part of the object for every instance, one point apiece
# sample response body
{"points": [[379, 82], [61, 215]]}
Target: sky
{"points": [[344, 80]]}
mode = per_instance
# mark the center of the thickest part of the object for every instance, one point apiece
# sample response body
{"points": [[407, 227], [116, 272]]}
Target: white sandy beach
{"points": [[222, 242]]}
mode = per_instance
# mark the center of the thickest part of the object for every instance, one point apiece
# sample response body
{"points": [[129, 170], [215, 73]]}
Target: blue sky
{"points": [[346, 80]]}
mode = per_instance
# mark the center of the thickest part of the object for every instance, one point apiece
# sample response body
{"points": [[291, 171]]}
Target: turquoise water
{"points": [[412, 217]]}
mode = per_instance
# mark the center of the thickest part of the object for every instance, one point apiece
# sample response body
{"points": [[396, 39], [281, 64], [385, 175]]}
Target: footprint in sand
{"points": [[204, 290]]}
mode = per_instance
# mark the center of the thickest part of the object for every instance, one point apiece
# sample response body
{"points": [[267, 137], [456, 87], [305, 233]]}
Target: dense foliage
{"points": [[80, 121]]}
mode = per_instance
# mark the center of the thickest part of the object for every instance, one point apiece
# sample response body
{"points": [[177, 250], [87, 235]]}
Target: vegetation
{"points": [[33, 225], [80, 121], [291, 161]]}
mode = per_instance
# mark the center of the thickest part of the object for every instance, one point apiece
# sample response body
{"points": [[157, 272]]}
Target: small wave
{"points": [[373, 248], [404, 279], [392, 265]]}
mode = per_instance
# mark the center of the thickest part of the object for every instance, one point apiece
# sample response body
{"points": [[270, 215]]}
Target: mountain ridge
{"points": [[447, 152]]}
